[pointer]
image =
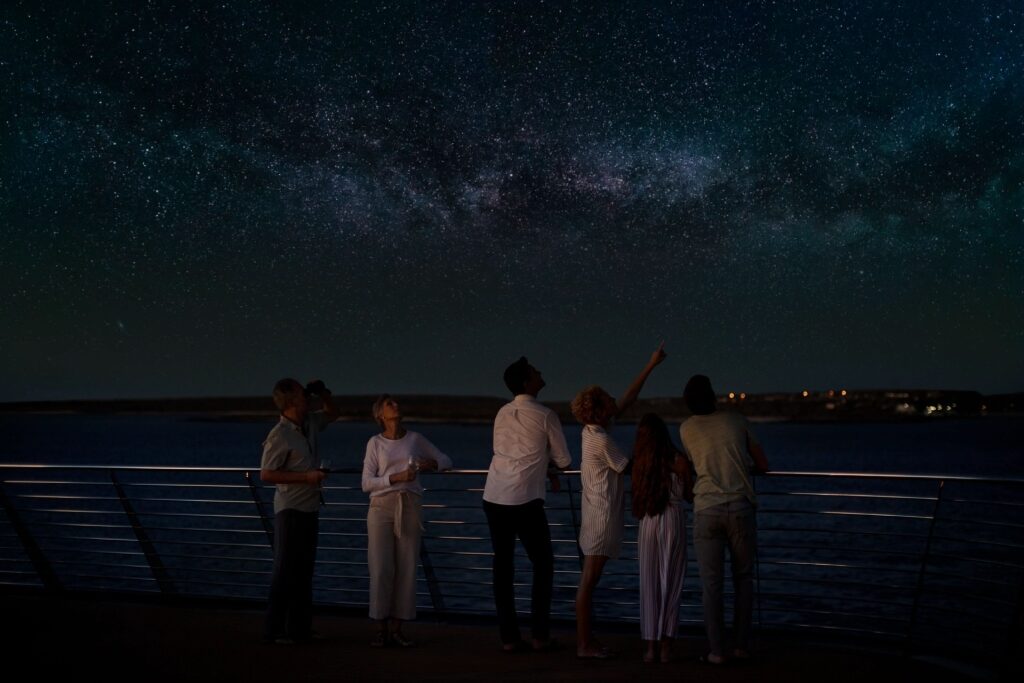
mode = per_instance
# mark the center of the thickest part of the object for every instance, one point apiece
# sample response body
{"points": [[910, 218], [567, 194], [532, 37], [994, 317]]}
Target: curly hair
{"points": [[653, 453], [592, 405]]}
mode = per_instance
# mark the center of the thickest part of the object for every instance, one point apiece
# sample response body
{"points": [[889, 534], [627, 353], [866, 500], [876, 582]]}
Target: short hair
{"points": [[699, 396], [285, 391], [378, 406], [591, 405], [516, 375]]}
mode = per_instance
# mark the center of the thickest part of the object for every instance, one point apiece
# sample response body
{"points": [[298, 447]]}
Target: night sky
{"points": [[406, 197]]}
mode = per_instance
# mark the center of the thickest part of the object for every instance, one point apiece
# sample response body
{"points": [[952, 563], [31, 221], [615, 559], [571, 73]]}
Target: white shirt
{"points": [[602, 502], [291, 448], [527, 435], [385, 457]]}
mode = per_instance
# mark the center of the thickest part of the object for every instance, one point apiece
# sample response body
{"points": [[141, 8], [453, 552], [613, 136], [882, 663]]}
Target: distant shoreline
{"points": [[882, 405]]}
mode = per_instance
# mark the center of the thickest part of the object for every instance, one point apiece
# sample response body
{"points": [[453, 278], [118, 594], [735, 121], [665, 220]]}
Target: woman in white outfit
{"points": [[661, 481], [601, 474], [393, 460]]}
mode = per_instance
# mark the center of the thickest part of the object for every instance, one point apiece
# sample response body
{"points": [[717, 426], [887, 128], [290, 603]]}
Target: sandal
{"points": [[400, 640], [712, 659], [380, 640]]}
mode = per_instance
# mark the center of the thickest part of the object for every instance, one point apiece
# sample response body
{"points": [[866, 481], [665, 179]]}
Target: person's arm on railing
{"points": [[683, 469], [558, 450], [431, 458], [757, 453]]}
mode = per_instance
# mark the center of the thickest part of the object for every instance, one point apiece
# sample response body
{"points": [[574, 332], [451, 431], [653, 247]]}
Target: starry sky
{"points": [[197, 199]]}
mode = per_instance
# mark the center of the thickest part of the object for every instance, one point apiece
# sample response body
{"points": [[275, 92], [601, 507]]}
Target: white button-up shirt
{"points": [[527, 435]]}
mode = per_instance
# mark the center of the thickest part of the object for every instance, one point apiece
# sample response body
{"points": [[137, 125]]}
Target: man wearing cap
{"points": [[291, 462], [528, 438]]}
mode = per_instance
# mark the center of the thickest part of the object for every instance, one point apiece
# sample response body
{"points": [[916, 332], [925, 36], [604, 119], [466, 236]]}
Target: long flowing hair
{"points": [[653, 453]]}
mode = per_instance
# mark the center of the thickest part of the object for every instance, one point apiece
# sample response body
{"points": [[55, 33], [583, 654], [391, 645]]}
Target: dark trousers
{"points": [[530, 523], [290, 613]]}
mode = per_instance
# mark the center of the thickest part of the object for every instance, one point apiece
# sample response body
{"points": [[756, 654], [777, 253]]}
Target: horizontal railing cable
{"points": [[877, 554]]}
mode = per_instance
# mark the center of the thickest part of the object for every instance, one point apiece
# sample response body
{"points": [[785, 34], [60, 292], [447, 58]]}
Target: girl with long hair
{"points": [[661, 482]]}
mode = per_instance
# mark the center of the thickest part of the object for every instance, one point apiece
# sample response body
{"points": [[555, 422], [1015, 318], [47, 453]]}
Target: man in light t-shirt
{"points": [[724, 453], [290, 461], [527, 439]]}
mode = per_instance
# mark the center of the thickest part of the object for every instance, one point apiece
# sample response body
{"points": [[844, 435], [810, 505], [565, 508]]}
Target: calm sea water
{"points": [[983, 446]]}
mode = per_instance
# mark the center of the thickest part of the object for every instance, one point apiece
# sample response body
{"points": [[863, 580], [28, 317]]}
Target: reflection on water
{"points": [[989, 446]]}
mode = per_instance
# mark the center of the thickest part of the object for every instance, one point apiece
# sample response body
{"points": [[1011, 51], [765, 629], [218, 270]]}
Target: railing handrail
{"points": [[900, 476], [925, 560]]}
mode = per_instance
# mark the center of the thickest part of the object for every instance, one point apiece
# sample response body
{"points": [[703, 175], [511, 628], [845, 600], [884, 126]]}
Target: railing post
{"points": [[35, 555], [268, 527], [163, 579], [436, 596], [923, 569]]}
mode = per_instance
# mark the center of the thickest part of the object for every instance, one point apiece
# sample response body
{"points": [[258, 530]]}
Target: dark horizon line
{"points": [[493, 397]]}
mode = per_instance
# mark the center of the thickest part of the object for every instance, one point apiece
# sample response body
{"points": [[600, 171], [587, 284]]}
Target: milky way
{"points": [[199, 199]]}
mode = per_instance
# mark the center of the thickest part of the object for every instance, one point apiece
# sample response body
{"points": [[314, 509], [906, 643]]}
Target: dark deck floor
{"points": [[110, 638]]}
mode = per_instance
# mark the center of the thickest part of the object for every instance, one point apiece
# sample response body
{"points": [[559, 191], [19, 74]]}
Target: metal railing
{"points": [[924, 562]]}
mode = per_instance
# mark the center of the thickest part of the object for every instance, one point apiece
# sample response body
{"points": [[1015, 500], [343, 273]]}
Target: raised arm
{"points": [[629, 397], [330, 410]]}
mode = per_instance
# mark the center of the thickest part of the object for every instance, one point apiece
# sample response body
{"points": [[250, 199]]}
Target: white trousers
{"points": [[393, 548]]}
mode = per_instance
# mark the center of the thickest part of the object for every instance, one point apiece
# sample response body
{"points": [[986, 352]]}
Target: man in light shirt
{"points": [[724, 453], [527, 439], [291, 462]]}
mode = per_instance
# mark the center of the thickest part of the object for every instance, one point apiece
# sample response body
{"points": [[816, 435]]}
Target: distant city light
{"points": [[732, 395], [743, 395], [806, 393], [843, 392]]}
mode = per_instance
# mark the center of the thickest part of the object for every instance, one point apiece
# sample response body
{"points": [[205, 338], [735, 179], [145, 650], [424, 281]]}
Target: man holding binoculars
{"points": [[291, 462]]}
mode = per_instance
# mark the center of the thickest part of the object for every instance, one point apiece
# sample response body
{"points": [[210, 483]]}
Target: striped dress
{"points": [[602, 506], [662, 549]]}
